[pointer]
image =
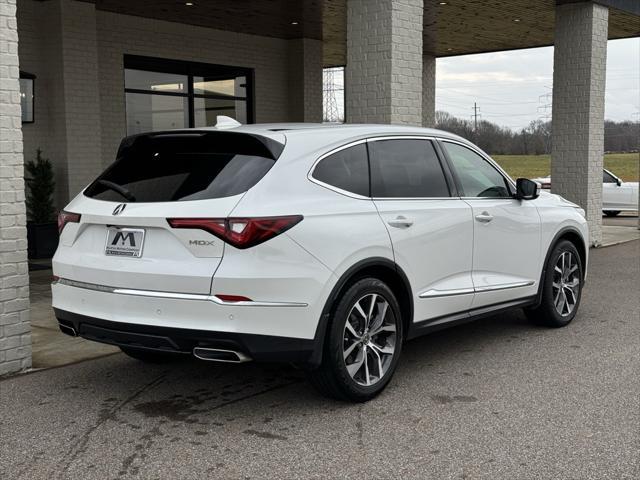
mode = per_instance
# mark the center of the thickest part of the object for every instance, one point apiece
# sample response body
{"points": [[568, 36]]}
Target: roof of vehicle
{"points": [[334, 131]]}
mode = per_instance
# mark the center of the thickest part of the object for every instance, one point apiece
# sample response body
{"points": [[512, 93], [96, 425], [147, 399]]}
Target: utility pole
{"points": [[476, 109]]}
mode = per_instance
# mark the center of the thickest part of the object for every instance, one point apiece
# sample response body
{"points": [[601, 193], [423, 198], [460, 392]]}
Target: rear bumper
{"points": [[264, 348]]}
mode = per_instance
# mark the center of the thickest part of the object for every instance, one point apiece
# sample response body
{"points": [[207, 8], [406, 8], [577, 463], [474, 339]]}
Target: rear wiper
{"points": [[118, 188]]}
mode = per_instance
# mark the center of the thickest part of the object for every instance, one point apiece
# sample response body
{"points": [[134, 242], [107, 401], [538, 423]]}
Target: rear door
{"points": [[123, 238], [431, 231], [506, 231]]}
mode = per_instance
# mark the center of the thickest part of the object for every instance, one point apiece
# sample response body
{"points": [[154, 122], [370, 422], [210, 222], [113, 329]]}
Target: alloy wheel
{"points": [[566, 283], [369, 339]]}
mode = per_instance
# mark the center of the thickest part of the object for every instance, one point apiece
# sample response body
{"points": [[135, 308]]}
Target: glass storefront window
{"points": [[146, 113], [233, 87], [207, 109], [155, 81], [167, 94]]}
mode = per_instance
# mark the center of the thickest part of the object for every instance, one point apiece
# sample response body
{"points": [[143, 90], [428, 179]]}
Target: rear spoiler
{"points": [[232, 142]]}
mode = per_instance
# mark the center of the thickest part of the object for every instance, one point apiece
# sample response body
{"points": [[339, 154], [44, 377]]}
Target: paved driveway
{"points": [[498, 399]]}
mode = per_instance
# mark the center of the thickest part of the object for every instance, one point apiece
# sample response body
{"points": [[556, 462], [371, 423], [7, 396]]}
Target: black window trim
{"points": [[339, 190], [191, 70], [446, 169], [507, 179]]}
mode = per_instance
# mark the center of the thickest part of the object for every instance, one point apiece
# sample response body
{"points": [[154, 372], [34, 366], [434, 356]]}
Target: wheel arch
{"points": [[573, 235], [376, 267]]}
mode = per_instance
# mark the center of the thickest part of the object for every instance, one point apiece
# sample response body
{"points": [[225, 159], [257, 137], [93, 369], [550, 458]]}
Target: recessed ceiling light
{"points": [[294, 23], [189, 4], [516, 19], [442, 3], [449, 49]]}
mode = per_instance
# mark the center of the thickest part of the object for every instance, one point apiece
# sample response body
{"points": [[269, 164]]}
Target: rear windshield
{"points": [[185, 166]]}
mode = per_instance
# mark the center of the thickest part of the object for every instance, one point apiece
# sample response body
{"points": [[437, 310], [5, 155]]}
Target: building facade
{"points": [[93, 71]]}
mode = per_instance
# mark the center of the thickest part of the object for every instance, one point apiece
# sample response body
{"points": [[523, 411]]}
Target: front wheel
{"points": [[561, 287], [363, 343]]}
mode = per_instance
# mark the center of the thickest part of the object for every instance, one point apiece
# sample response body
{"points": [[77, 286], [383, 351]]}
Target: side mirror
{"points": [[618, 182], [527, 189]]}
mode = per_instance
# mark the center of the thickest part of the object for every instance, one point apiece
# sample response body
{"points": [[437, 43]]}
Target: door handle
{"points": [[400, 222], [484, 217]]}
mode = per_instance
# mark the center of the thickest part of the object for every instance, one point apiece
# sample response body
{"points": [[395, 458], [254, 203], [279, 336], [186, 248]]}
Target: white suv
{"points": [[327, 246]]}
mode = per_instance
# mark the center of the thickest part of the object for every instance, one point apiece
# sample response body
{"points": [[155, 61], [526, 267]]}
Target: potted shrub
{"points": [[42, 228]]}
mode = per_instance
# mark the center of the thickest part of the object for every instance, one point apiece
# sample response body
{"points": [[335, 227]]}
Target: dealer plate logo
{"points": [[124, 242]]}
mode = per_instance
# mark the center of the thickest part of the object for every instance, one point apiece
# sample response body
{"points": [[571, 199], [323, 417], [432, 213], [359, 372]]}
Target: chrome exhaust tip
{"points": [[67, 329], [219, 355]]}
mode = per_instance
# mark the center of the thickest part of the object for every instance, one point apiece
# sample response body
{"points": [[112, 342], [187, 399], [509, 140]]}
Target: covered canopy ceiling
{"points": [[451, 27]]}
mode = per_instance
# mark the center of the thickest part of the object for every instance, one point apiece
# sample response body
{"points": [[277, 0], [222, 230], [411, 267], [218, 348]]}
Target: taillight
{"points": [[67, 217], [240, 232]]}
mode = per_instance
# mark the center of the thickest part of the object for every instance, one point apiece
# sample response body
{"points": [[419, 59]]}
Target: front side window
{"points": [[406, 169], [346, 169], [477, 177], [169, 94], [607, 177]]}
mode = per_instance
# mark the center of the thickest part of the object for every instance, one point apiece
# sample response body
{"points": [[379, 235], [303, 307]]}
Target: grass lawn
{"points": [[624, 165]]}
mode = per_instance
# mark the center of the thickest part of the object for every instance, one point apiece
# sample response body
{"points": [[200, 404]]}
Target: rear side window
{"points": [[180, 167], [347, 170], [406, 169]]}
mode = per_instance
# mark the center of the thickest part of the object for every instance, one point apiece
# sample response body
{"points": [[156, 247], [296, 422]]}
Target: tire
{"points": [[371, 357], [150, 356], [561, 287], [612, 213]]}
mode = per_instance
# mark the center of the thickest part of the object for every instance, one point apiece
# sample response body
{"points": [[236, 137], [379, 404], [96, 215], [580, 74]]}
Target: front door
{"points": [[431, 232], [506, 247]]}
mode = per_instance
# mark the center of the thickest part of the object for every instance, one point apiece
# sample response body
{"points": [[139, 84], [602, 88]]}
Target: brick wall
{"points": [[15, 331], [40, 53], [305, 80], [579, 67], [384, 61]]}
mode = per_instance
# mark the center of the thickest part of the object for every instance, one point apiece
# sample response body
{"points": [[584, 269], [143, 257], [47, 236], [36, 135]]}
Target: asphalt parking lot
{"points": [[497, 399]]}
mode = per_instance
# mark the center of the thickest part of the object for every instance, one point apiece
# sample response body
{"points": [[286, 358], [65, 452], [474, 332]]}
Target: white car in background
{"points": [[617, 195], [328, 246]]}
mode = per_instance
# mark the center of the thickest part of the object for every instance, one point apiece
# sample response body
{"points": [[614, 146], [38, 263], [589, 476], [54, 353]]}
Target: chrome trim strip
{"points": [[504, 286], [446, 293], [433, 293], [172, 295]]}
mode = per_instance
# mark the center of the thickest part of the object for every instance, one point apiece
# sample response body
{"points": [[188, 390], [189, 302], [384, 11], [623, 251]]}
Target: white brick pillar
{"points": [[579, 66], [428, 91], [15, 330], [383, 78], [305, 80]]}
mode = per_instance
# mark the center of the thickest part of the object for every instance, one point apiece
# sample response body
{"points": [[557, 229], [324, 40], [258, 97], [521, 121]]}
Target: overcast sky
{"points": [[513, 88]]}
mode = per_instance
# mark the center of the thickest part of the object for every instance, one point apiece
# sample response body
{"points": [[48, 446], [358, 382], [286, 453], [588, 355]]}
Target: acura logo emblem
{"points": [[119, 209]]}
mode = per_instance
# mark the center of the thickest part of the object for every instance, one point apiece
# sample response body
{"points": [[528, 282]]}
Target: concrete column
{"points": [[579, 66], [428, 91], [305, 80], [15, 329], [383, 78]]}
